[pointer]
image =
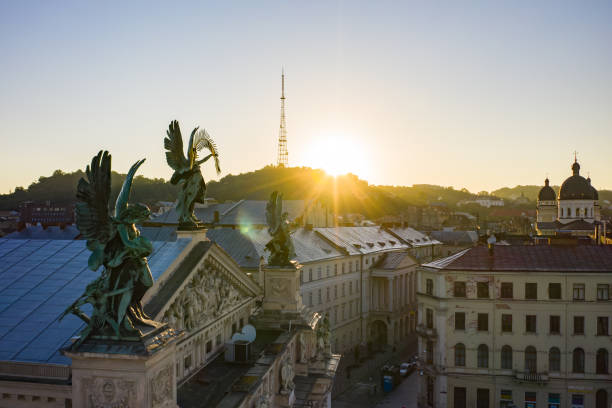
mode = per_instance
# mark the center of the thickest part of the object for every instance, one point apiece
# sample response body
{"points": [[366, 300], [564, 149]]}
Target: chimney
{"points": [[491, 244], [216, 217]]}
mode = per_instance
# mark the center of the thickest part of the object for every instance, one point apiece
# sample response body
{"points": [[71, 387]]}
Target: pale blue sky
{"points": [[469, 94]]}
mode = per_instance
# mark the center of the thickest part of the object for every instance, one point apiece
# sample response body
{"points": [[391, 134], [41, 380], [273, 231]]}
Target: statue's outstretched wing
{"points": [[92, 211], [174, 149], [272, 218], [204, 141], [124, 195]]}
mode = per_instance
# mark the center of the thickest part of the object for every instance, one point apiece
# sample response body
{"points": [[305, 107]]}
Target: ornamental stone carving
{"points": [[208, 295], [161, 386], [287, 375], [280, 288], [106, 392]]}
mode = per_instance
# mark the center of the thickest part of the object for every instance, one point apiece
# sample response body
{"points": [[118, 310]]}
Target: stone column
{"points": [[390, 300]]}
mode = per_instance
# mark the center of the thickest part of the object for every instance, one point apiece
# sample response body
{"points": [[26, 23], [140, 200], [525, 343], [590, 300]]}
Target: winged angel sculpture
{"points": [[280, 246], [116, 246], [187, 169]]}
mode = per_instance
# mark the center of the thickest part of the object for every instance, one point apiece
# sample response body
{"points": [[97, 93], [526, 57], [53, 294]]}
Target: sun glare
{"points": [[338, 154]]}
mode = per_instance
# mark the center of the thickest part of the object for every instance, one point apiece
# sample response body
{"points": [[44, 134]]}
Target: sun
{"points": [[338, 154]]}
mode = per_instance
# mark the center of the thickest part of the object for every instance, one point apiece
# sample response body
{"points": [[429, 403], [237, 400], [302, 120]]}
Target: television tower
{"points": [[283, 155]]}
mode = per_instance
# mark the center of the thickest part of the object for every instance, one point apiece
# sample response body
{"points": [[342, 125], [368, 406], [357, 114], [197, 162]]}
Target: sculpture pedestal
{"points": [[111, 373], [282, 288]]}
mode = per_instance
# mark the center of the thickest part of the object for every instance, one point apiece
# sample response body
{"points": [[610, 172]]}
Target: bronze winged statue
{"points": [[187, 169], [280, 246], [117, 246]]}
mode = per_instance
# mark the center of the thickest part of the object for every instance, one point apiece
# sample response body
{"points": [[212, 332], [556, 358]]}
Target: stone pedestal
{"points": [[108, 374], [282, 288]]}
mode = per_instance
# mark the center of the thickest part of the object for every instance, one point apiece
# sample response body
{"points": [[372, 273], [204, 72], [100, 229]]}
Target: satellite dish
{"points": [[248, 334]]}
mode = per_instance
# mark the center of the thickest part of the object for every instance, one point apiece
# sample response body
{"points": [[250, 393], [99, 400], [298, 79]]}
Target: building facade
{"points": [[524, 326]]}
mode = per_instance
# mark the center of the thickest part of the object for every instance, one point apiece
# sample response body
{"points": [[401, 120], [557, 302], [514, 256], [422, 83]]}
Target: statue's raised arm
{"points": [[187, 169]]}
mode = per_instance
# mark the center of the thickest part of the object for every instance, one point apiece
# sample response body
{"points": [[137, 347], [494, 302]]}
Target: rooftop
{"points": [[39, 279], [534, 258]]}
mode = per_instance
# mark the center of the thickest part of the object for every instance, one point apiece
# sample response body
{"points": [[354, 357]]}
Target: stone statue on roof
{"points": [[117, 246], [280, 246], [187, 169]]}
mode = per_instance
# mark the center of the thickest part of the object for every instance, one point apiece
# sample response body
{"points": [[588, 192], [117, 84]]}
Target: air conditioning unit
{"points": [[238, 351]]}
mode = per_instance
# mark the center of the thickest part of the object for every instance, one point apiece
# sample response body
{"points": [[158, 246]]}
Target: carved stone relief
{"points": [[207, 296], [161, 386], [280, 288], [287, 374], [106, 392]]}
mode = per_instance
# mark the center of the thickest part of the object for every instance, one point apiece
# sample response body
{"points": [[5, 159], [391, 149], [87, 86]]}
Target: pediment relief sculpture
{"points": [[208, 295]]}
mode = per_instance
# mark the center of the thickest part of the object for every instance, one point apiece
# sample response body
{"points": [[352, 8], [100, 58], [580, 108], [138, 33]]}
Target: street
{"points": [[404, 396], [360, 396]]}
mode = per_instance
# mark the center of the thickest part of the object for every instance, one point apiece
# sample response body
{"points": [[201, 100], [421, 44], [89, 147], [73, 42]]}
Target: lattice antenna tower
{"points": [[283, 155]]}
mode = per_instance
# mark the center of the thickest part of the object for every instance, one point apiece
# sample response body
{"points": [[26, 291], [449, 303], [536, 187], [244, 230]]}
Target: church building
{"points": [[575, 211]]}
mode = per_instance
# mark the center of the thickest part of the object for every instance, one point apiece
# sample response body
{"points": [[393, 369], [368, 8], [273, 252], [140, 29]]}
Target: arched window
{"points": [[554, 359], [531, 359], [483, 356], [602, 361], [578, 360], [460, 355], [601, 399], [506, 358]]}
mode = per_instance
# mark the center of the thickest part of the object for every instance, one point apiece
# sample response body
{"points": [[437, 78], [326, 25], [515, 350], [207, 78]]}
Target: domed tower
{"points": [[576, 198], [596, 208], [547, 204]]}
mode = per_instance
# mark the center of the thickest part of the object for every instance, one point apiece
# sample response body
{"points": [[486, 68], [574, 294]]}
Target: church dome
{"points": [[547, 193], [576, 187], [595, 193]]}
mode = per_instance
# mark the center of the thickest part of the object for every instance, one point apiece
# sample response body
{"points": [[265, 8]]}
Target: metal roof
{"points": [[39, 279], [413, 237], [361, 240], [243, 212], [456, 237], [534, 258]]}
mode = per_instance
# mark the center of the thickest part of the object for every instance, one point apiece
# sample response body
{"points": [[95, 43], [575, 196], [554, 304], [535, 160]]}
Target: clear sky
{"points": [[464, 93]]}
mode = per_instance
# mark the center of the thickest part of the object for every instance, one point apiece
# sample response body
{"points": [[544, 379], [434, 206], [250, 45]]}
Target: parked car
{"points": [[407, 368]]}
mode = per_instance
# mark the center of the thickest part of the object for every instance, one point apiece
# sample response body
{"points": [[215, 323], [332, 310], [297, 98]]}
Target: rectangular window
{"points": [[507, 290], [342, 267], [554, 290], [459, 321], [482, 398], [327, 270], [208, 346], [482, 290], [506, 323], [578, 324], [335, 291], [602, 326], [554, 400], [530, 399], [459, 289], [459, 397], [505, 399], [335, 269], [328, 297], [301, 276], [483, 321], [531, 291], [578, 291], [429, 286], [310, 274], [343, 290], [351, 288], [429, 318], [319, 296], [603, 292], [577, 400], [319, 272], [530, 323], [309, 298], [555, 324]]}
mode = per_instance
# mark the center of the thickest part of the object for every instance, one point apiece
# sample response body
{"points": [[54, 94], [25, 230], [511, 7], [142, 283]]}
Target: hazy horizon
{"points": [[480, 95]]}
